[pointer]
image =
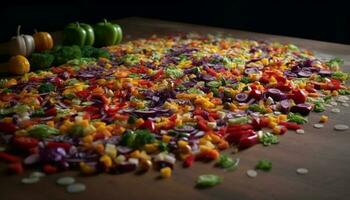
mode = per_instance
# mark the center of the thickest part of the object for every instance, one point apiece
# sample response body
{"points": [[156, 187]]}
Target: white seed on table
{"points": [[65, 180], [333, 103], [341, 100], [75, 188], [37, 174], [30, 180], [335, 110], [318, 125], [252, 173], [341, 127], [300, 131], [302, 171], [328, 105], [344, 98], [345, 104]]}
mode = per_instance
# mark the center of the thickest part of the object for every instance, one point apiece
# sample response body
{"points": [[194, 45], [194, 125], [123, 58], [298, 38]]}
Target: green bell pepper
{"points": [[90, 34], [107, 33], [74, 34]]}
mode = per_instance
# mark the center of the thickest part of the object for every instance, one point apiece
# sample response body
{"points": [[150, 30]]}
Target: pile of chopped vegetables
{"points": [[156, 101]]}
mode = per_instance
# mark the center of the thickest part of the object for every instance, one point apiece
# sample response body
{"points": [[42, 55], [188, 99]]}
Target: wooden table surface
{"points": [[324, 152]]}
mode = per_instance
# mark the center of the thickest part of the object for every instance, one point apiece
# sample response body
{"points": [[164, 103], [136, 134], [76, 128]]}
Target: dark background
{"points": [[326, 20]]}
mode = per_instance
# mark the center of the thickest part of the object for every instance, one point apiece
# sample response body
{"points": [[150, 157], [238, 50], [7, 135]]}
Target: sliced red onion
{"points": [[185, 128], [304, 73], [31, 159], [124, 150], [275, 94], [251, 70], [199, 134], [285, 106], [302, 108], [325, 73], [241, 97]]}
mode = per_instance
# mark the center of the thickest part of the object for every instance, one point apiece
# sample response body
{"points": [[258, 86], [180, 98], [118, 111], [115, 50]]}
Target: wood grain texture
{"points": [[324, 152]]}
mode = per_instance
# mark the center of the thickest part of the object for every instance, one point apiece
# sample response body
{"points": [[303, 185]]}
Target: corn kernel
{"points": [[135, 154], [166, 138], [276, 130], [111, 150], [182, 143], [100, 148], [86, 169], [150, 148], [7, 119], [88, 139], [323, 119], [106, 160], [51, 123], [166, 172]]}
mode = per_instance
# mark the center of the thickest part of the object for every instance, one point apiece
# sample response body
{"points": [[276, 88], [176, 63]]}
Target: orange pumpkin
{"points": [[43, 41]]}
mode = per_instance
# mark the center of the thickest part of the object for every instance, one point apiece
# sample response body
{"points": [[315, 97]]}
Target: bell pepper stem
{"points": [[105, 21], [77, 24], [18, 30]]}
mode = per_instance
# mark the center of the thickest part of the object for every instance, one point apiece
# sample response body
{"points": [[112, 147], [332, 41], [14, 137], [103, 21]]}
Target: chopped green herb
{"points": [[76, 130], [265, 165], [132, 119], [267, 139], [238, 120], [257, 108], [137, 139], [297, 118], [208, 180], [340, 76], [174, 72], [319, 106], [42, 131], [195, 91], [46, 87], [245, 80], [38, 113], [214, 84], [344, 92]]}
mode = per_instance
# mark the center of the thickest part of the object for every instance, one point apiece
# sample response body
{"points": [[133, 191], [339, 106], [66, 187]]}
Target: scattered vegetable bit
{"points": [[208, 180], [252, 173], [302, 171], [76, 188], [341, 127], [265, 165]]}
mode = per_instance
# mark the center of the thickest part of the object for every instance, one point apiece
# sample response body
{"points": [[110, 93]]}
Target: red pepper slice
{"points": [[148, 124], [15, 168], [24, 142], [247, 142], [159, 74], [188, 162], [49, 169], [290, 125], [299, 96], [235, 137], [234, 128], [65, 146], [51, 112], [211, 71], [203, 125], [8, 128], [9, 157]]}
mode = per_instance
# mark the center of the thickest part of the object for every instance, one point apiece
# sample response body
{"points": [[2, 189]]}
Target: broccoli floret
{"points": [[92, 52], [41, 60], [66, 53]]}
